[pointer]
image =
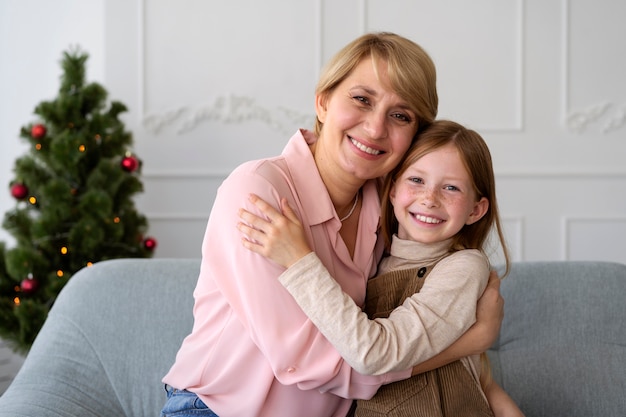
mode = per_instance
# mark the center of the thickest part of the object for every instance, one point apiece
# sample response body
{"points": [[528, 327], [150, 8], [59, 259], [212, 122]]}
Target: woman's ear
{"points": [[392, 194], [480, 209], [320, 107]]}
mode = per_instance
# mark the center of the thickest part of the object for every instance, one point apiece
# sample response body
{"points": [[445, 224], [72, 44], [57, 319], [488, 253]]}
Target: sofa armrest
{"points": [[109, 339]]}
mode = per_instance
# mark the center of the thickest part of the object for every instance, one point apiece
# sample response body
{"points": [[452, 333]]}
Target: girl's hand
{"points": [[281, 238], [480, 336]]}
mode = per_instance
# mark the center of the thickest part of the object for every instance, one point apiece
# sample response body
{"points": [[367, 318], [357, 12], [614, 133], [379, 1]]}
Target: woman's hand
{"points": [[280, 238], [489, 314]]}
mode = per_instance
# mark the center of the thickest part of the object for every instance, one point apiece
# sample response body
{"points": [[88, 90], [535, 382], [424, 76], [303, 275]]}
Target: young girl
{"points": [[439, 207]]}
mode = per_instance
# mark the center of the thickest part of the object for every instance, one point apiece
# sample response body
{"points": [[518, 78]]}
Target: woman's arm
{"points": [[372, 346], [294, 348], [501, 404]]}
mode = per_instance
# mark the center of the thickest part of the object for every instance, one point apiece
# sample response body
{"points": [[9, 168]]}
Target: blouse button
{"points": [[421, 272], [291, 369]]}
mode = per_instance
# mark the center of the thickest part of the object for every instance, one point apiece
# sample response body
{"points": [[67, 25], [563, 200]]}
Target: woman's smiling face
{"points": [[367, 126]]}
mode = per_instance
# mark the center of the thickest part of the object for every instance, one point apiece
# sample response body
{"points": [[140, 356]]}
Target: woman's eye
{"points": [[361, 99], [402, 117]]}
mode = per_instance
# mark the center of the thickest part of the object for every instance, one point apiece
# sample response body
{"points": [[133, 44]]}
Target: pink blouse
{"points": [[252, 351]]}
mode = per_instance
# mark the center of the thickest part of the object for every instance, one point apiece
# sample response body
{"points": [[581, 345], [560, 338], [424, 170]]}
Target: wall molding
{"points": [[609, 116], [238, 108], [228, 109], [520, 25], [568, 221], [530, 175], [185, 174], [561, 175], [517, 250], [521, 76], [178, 216]]}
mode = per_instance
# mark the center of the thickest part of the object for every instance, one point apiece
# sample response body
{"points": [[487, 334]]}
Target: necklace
{"points": [[356, 200]]}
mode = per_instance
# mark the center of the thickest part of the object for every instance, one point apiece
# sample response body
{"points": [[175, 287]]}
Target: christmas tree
{"points": [[73, 190]]}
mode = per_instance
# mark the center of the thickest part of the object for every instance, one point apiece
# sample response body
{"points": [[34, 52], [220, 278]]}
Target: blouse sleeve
{"points": [[293, 347], [423, 326]]}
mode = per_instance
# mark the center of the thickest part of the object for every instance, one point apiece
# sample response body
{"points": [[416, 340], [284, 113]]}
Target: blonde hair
{"points": [[477, 160], [411, 72]]}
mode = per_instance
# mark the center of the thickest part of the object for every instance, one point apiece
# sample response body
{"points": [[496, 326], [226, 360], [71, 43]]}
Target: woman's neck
{"points": [[342, 186]]}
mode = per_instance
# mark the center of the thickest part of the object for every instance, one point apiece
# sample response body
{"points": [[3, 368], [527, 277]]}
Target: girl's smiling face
{"points": [[434, 197]]}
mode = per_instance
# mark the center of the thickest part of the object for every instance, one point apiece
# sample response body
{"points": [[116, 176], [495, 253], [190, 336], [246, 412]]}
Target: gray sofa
{"points": [[116, 327]]}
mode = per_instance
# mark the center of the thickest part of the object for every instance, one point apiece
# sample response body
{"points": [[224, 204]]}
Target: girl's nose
{"points": [[429, 197]]}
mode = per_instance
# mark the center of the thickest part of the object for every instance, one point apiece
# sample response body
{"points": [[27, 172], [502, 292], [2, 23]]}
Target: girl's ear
{"points": [[480, 209], [320, 107]]}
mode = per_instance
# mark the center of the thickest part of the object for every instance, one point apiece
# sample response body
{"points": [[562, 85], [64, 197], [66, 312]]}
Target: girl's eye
{"points": [[416, 180], [451, 188]]}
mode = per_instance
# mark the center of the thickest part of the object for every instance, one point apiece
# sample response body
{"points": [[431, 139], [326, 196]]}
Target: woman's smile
{"points": [[364, 147]]}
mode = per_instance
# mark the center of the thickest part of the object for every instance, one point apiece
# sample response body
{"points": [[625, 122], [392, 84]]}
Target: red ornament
{"points": [[19, 191], [130, 163], [38, 131], [150, 243], [29, 285]]}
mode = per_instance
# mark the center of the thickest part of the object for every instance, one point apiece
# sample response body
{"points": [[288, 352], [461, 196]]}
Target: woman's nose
{"points": [[376, 125]]}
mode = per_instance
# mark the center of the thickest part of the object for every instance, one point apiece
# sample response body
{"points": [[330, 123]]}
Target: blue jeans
{"points": [[182, 403]]}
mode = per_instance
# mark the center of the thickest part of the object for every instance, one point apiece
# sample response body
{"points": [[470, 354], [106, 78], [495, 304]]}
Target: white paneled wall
{"points": [[210, 84]]}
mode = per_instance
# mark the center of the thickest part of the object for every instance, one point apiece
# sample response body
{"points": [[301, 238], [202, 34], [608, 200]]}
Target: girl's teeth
{"points": [[427, 219], [364, 148]]}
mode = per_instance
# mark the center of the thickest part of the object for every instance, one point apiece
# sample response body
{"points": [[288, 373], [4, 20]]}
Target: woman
{"points": [[252, 351]]}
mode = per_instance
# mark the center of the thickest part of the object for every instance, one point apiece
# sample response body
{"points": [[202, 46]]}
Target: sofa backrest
{"points": [[116, 327], [562, 346]]}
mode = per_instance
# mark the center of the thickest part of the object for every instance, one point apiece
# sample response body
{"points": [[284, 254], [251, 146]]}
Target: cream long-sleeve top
{"points": [[425, 323], [252, 350]]}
